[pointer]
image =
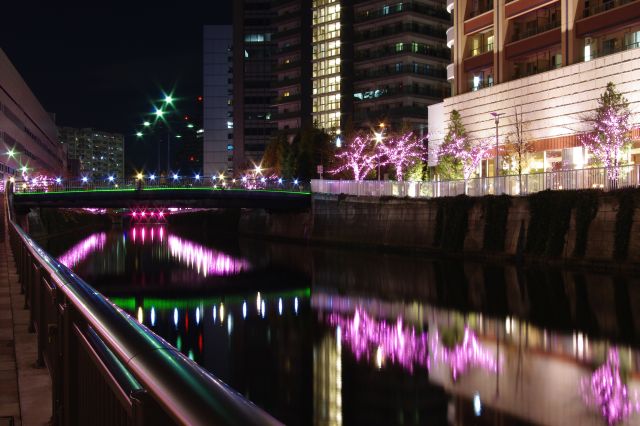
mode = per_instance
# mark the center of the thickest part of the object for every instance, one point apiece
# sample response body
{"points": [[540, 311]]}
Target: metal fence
{"points": [[146, 183], [105, 367], [594, 178]]}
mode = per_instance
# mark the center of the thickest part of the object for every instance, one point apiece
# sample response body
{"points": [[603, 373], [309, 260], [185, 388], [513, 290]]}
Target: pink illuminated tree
{"points": [[360, 156], [469, 153], [611, 132], [403, 151]]}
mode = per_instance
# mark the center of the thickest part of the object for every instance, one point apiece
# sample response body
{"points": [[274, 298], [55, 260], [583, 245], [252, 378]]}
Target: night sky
{"points": [[102, 64]]}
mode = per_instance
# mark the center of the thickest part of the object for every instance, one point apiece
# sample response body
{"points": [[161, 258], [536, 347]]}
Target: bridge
{"points": [[201, 193]]}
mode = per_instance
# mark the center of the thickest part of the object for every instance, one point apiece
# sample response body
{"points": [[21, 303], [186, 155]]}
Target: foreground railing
{"points": [[106, 368], [596, 178], [41, 184]]}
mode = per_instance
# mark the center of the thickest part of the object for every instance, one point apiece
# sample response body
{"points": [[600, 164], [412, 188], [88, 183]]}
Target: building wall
{"points": [[253, 92], [553, 103], [100, 154], [25, 127], [218, 121]]}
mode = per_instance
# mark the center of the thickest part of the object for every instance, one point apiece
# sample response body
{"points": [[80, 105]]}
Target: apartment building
{"points": [[99, 154], [550, 60]]}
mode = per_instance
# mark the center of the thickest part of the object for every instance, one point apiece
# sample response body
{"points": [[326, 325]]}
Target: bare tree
{"points": [[518, 146]]}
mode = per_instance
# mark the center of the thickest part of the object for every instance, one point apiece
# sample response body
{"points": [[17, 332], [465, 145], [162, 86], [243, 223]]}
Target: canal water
{"points": [[321, 336]]}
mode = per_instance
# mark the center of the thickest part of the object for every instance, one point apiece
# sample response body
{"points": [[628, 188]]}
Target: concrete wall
{"points": [[410, 224]]}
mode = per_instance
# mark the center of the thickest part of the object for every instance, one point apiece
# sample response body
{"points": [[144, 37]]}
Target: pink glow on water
{"points": [[606, 392], [370, 339], [366, 337], [84, 248], [468, 354], [205, 260]]}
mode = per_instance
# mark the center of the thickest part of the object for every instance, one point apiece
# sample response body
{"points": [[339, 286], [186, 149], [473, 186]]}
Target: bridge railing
{"points": [[40, 184], [105, 367], [592, 178]]}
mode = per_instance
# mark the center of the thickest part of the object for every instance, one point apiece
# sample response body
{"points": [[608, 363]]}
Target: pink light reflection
{"points": [[469, 353], [83, 249], [606, 392], [205, 260], [364, 335]]}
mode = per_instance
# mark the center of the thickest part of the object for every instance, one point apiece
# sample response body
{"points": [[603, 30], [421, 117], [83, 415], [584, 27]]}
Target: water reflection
{"points": [[84, 248], [375, 339]]}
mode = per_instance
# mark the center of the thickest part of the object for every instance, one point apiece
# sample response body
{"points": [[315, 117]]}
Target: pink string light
{"points": [[606, 392], [403, 151], [469, 153], [607, 141], [360, 156]]}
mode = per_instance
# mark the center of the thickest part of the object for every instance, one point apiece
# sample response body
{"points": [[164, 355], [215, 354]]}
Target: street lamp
{"points": [[378, 137], [496, 116]]}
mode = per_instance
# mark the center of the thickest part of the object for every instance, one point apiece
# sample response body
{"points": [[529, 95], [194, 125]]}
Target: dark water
{"points": [[330, 337]]}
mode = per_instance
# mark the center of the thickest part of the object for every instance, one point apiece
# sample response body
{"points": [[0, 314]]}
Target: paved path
{"points": [[25, 391]]}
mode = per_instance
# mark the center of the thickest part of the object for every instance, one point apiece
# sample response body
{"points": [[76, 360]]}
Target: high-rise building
{"points": [[218, 120], [551, 61], [253, 76], [400, 62], [293, 65], [337, 64], [28, 135], [100, 154]]}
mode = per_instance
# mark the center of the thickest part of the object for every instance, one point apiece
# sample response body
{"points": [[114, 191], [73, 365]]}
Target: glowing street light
{"points": [[139, 176], [190, 126], [58, 180], [168, 99], [146, 123], [159, 112], [111, 178], [84, 179], [175, 176], [197, 176], [139, 134], [11, 153], [24, 169], [152, 177]]}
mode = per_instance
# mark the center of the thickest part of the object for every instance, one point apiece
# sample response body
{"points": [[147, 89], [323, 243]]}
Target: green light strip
{"points": [[275, 191], [129, 303]]}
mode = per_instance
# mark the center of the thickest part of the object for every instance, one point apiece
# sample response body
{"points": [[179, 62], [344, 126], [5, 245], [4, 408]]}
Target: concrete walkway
{"points": [[25, 391]]}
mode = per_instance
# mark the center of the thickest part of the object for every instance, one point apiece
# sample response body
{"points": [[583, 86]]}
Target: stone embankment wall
{"points": [[589, 226]]}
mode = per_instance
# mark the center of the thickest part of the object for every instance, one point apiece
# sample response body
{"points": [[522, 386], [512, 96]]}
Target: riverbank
{"points": [[583, 228]]}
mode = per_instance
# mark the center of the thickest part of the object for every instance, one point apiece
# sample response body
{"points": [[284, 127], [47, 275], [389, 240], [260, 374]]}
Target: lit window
{"points": [[587, 52]]}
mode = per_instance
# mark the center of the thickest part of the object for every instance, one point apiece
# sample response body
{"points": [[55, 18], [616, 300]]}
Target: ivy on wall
{"points": [[624, 220], [496, 210], [551, 216], [452, 222]]}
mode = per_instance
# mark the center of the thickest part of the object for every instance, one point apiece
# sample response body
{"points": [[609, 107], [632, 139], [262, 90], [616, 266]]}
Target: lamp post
{"points": [[379, 137], [496, 116]]}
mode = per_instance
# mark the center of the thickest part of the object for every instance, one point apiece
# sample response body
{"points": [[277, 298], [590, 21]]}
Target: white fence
{"points": [[595, 178]]}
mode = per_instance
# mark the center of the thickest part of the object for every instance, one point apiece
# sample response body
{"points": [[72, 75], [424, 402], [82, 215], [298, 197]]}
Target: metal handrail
{"points": [[184, 392]]}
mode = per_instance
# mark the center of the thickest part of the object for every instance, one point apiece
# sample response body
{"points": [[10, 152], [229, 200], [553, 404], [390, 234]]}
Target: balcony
{"points": [[451, 35], [593, 54], [392, 70], [386, 11], [286, 82], [286, 99], [285, 33], [400, 112], [285, 115], [288, 49], [482, 8], [288, 66], [412, 90], [538, 28], [400, 28], [603, 6], [403, 49], [532, 68], [451, 71], [286, 16]]}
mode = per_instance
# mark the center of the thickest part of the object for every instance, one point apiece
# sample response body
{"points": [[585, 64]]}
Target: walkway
{"points": [[25, 391]]}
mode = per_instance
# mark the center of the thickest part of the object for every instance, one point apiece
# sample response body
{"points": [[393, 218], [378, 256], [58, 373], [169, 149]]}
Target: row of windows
{"points": [[330, 120], [257, 38], [327, 13], [326, 32], [326, 85], [326, 103], [327, 67], [326, 49]]}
